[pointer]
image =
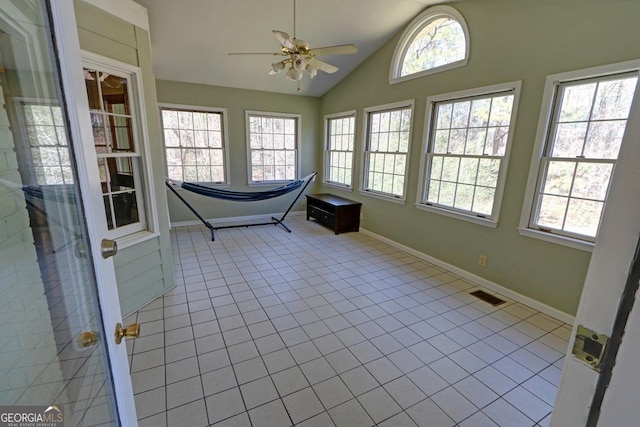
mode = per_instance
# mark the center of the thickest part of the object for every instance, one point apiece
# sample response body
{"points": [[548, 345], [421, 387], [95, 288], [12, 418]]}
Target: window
{"points": [[388, 132], [585, 117], [272, 139], [436, 40], [113, 103], [48, 143], [340, 135], [467, 148], [195, 143]]}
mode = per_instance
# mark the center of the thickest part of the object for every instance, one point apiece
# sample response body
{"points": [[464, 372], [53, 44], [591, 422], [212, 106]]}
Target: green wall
{"points": [[510, 40], [144, 270], [236, 101]]}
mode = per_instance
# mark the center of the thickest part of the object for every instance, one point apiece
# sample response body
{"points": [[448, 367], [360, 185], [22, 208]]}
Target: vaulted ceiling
{"points": [[190, 39]]}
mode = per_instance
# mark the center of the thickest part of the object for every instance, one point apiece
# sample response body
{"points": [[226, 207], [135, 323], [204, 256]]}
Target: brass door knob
{"points": [[131, 331], [87, 339]]}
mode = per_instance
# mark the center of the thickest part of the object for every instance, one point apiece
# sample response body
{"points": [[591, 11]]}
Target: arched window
{"points": [[436, 40]]}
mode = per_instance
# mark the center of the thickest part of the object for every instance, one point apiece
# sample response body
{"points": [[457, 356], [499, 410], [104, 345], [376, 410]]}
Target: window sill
{"points": [[560, 240], [393, 199], [469, 218], [338, 186], [135, 238]]}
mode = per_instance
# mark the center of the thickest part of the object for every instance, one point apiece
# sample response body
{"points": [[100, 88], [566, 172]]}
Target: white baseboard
{"points": [[247, 218], [515, 296]]}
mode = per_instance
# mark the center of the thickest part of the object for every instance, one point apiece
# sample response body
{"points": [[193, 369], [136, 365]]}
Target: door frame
{"points": [[77, 107], [606, 276]]}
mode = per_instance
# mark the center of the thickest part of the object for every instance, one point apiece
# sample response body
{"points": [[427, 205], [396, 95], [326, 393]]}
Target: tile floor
{"points": [[267, 328]]}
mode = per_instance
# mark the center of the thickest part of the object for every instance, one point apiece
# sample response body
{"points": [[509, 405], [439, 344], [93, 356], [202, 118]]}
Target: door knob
{"points": [[87, 339], [131, 331], [108, 248]]}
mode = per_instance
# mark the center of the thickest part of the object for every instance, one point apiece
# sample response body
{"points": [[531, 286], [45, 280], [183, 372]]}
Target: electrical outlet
{"points": [[482, 261]]}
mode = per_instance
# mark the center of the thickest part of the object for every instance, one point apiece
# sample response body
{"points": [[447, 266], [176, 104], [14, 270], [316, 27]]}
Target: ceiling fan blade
{"points": [[284, 39], [323, 66], [344, 49], [256, 53]]}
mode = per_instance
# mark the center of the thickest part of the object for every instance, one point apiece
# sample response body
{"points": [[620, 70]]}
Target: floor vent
{"points": [[487, 297]]}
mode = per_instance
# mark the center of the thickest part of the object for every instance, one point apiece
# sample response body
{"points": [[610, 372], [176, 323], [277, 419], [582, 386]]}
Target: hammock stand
{"points": [[240, 196]]}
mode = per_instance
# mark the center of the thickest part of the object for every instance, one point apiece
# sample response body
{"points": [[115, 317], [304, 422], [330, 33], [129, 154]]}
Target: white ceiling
{"points": [[190, 39]]}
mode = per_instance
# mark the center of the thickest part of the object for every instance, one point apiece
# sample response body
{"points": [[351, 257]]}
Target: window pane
{"points": [[576, 103], [592, 181], [440, 42], [470, 149], [552, 211], [590, 124], [199, 133], [340, 144], [613, 99], [604, 139], [569, 139], [388, 135], [583, 217], [273, 146], [559, 178], [483, 200]]}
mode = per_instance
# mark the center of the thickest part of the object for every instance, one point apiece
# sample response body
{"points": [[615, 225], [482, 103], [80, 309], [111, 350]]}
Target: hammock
{"points": [[240, 196]]}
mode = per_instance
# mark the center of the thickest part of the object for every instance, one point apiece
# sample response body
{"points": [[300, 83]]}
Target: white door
{"points": [[605, 282], [58, 297]]}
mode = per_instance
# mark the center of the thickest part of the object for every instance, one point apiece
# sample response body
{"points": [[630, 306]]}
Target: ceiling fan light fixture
{"points": [[294, 74], [312, 71], [276, 67]]}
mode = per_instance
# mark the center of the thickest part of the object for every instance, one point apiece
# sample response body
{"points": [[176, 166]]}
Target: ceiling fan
{"points": [[299, 57]]}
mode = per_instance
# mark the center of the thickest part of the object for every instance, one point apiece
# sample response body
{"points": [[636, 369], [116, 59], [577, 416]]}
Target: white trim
{"points": [[490, 220], [325, 151], [225, 134], [606, 278], [77, 108], [383, 196], [544, 123], [541, 307], [338, 186], [558, 239], [487, 222], [410, 103], [298, 118], [149, 219], [126, 10], [413, 29]]}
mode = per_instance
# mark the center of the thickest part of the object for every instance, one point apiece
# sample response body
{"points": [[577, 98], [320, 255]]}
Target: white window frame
{"points": [[410, 33], [544, 124], [20, 104], [225, 138], [297, 118], [365, 149], [149, 223], [483, 92], [327, 152]]}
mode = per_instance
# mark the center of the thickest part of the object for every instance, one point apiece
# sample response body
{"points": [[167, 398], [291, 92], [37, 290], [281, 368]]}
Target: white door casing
{"points": [[606, 277], [77, 105]]}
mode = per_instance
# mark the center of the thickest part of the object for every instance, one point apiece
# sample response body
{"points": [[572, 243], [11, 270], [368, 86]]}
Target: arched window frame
{"points": [[410, 33]]}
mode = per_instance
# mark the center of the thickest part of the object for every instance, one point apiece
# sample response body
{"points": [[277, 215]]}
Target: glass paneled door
{"points": [[57, 304]]}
